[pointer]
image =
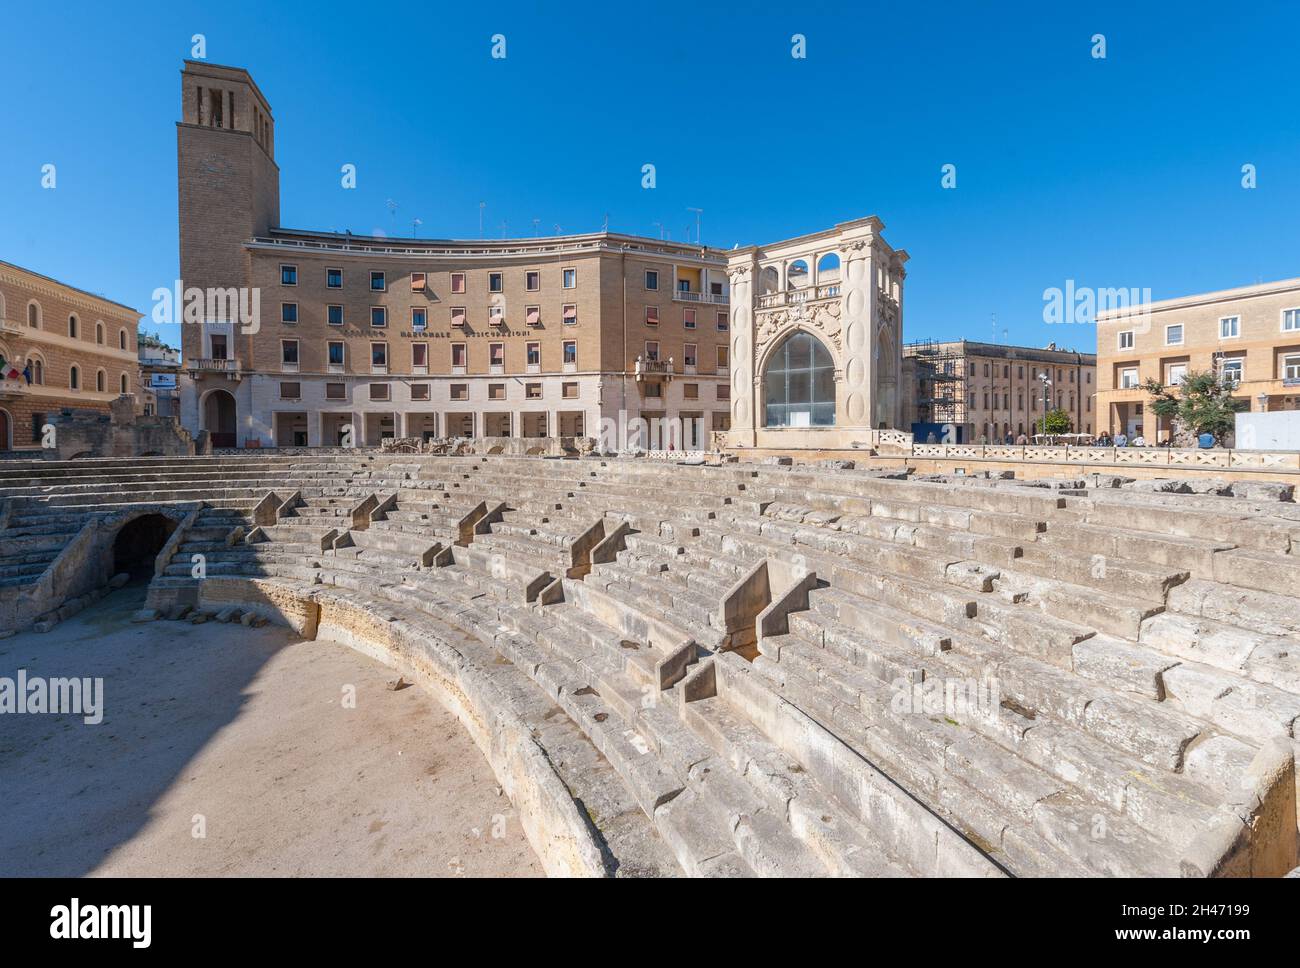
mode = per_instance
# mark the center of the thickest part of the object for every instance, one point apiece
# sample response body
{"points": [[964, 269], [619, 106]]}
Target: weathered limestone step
{"points": [[1257, 611], [839, 843], [1261, 657]]}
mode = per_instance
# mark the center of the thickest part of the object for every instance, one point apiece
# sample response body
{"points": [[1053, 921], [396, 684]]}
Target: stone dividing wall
{"points": [[558, 832]]}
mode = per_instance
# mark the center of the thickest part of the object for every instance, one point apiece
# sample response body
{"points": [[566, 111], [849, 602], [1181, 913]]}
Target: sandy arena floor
{"points": [[241, 735]]}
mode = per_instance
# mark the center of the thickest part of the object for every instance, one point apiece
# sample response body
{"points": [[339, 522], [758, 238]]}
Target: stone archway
{"points": [[138, 542], [6, 430], [799, 383], [220, 418], [886, 371]]}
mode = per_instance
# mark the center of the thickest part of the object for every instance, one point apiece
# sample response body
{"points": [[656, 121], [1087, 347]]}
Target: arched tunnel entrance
{"points": [[138, 543]]}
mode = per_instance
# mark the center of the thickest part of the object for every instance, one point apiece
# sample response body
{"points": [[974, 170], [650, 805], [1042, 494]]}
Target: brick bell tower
{"points": [[229, 191]]}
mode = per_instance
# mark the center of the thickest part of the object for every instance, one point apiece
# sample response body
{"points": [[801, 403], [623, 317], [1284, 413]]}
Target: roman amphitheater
{"points": [[720, 668]]}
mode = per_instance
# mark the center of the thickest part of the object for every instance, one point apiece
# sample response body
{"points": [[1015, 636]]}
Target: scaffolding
{"points": [[940, 381]]}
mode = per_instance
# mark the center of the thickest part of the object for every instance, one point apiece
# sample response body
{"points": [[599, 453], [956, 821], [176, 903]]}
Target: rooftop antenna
{"points": [[698, 212], [661, 229], [392, 208], [557, 229], [504, 223], [537, 227], [481, 206], [605, 225], [415, 227]]}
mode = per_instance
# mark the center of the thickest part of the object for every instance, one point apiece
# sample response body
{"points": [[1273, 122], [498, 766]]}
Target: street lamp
{"points": [[1046, 398], [1263, 401]]}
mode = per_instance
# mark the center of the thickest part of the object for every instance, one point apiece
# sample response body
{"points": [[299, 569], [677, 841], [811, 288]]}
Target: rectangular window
{"points": [[419, 318], [335, 391], [288, 275], [652, 350], [534, 354], [722, 357], [334, 315], [288, 312], [1177, 371], [458, 355], [290, 391], [1291, 320], [289, 352], [571, 351], [569, 391], [653, 390], [497, 354], [379, 391], [724, 322], [333, 278], [458, 282], [724, 391], [458, 315], [378, 354], [652, 315], [688, 318], [1229, 327], [418, 281], [533, 391], [1291, 367], [460, 391], [1128, 378], [652, 280], [688, 354], [419, 391], [334, 351], [532, 280], [570, 277], [377, 284], [419, 354], [533, 315], [496, 315], [495, 282], [1174, 335], [691, 391], [570, 314], [378, 316], [1233, 370], [496, 391]]}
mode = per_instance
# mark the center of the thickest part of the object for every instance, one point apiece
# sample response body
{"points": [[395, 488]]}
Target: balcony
{"points": [[212, 365], [680, 295], [13, 389], [794, 297], [656, 371]]}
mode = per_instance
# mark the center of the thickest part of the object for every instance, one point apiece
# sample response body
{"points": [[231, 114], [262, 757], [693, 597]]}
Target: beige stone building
{"points": [[1249, 335], [311, 338], [989, 391], [62, 348]]}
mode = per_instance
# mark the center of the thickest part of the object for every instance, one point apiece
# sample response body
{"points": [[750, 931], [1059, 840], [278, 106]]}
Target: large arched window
{"points": [[800, 384]]}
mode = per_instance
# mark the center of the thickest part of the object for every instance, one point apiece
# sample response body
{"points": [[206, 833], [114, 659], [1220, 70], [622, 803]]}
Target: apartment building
{"points": [[990, 391], [1249, 336], [311, 338], [60, 348]]}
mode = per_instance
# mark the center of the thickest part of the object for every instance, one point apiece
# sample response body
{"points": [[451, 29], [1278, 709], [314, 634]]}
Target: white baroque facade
{"points": [[817, 326]]}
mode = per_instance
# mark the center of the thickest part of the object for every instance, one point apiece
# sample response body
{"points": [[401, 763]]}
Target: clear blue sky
{"points": [[1123, 172]]}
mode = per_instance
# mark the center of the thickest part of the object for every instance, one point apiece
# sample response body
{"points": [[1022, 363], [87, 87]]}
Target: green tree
{"points": [[1056, 422], [1201, 404]]}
